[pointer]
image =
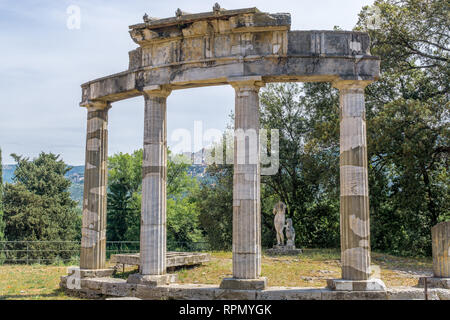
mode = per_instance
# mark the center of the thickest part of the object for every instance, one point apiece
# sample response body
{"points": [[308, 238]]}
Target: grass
{"points": [[310, 269], [31, 282]]}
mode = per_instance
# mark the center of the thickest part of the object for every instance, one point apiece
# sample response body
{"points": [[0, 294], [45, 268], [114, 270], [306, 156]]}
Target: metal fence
{"points": [[50, 252]]}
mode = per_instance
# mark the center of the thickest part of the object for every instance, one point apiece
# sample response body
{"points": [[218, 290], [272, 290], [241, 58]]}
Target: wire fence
{"points": [[51, 252]]}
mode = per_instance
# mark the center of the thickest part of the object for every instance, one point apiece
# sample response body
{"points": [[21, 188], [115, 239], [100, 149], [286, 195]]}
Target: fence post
{"points": [[27, 253]]}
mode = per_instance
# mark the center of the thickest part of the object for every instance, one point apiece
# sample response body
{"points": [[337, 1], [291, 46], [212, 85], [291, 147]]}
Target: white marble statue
{"points": [[279, 221], [290, 233]]}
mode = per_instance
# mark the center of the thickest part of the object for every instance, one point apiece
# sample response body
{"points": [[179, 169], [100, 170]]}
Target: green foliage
{"points": [[124, 186], [408, 113], [215, 204], [125, 194], [37, 207], [306, 117]]}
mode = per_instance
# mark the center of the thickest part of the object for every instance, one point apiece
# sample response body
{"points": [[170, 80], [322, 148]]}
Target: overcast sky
{"points": [[43, 64]]}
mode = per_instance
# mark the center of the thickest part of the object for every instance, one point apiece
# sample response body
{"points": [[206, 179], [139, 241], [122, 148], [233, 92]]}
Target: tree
{"points": [[408, 117], [38, 207], [214, 199], [307, 175], [124, 187], [124, 201], [306, 117]]}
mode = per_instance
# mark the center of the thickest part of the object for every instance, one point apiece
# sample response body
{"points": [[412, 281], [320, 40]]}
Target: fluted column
{"points": [[154, 174], [354, 204], [246, 180], [93, 239]]}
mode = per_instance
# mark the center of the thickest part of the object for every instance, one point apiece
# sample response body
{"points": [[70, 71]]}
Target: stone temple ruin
{"points": [[246, 49]]}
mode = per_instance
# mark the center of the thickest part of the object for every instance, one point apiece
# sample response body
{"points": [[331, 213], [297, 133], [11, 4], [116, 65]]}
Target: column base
{"points": [[152, 280], [244, 284], [356, 285], [434, 282]]}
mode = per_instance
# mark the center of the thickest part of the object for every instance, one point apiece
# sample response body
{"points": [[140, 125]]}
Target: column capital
{"points": [[162, 91], [96, 105], [351, 84], [252, 82]]}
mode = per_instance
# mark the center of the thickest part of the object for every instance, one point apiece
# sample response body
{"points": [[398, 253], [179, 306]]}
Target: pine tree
{"points": [[38, 207]]}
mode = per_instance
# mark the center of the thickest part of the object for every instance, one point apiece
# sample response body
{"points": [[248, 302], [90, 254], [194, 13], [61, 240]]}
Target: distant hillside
{"points": [[8, 173], [76, 176]]}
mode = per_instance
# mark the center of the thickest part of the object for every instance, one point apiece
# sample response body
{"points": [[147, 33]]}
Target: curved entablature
{"points": [[194, 50]]}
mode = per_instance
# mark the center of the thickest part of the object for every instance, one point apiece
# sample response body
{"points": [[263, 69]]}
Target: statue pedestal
{"points": [[288, 249]]}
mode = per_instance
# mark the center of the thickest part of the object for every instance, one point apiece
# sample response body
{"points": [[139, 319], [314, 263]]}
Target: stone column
{"points": [[154, 174], [93, 239], [246, 188], [354, 202], [440, 239], [440, 235]]}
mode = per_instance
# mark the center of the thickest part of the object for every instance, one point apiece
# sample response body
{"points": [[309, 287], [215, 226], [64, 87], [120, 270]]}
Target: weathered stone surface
{"points": [[353, 295], [227, 294], [92, 284], [118, 288], [192, 292], [354, 204], [356, 285], [154, 176], [410, 293], [440, 234], [97, 273], [244, 284], [240, 17], [152, 293], [101, 287], [93, 239], [433, 282], [152, 280], [274, 293], [95, 288], [246, 181]]}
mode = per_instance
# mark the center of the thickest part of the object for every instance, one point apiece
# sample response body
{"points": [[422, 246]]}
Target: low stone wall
{"points": [[111, 287]]}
